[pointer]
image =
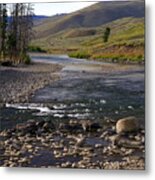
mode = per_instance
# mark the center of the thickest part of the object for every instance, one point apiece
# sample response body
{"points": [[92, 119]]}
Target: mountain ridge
{"points": [[91, 16], [80, 34]]}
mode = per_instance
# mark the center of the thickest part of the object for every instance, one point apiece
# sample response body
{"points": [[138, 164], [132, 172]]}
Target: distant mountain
{"points": [[37, 19], [92, 16], [40, 17]]}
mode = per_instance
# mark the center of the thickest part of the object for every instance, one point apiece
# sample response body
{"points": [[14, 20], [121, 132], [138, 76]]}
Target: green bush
{"points": [[35, 49], [26, 59], [80, 55], [120, 58], [106, 34]]}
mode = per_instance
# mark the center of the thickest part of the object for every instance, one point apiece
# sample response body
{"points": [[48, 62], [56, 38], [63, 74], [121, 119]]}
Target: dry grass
{"points": [[126, 41]]}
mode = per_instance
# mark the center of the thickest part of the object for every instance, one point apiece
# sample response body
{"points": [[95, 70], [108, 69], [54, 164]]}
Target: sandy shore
{"points": [[17, 84]]}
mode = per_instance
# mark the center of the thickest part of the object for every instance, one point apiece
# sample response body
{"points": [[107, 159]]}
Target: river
{"points": [[86, 90]]}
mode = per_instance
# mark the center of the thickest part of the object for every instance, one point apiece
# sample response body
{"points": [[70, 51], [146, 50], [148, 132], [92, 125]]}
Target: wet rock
{"points": [[104, 134], [31, 127], [128, 124], [74, 165], [29, 146], [79, 140], [88, 125], [143, 139], [125, 142], [24, 128], [138, 137], [31, 121], [40, 123], [70, 127], [8, 142], [15, 146], [24, 160], [8, 133], [129, 151], [95, 126], [114, 139], [98, 145], [66, 164], [48, 126], [66, 144]]}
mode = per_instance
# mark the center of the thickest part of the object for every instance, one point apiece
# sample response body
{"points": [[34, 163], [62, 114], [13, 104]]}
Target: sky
{"points": [[50, 9]]}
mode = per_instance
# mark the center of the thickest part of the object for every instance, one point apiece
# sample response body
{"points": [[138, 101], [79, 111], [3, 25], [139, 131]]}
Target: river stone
{"points": [[40, 123], [89, 126], [114, 138], [47, 126], [128, 124]]}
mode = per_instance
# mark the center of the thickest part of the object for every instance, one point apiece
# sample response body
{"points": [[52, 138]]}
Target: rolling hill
{"points": [[80, 34], [92, 16]]}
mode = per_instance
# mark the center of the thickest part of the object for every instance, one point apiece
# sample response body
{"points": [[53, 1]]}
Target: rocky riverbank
{"points": [[76, 144], [54, 138], [17, 84]]}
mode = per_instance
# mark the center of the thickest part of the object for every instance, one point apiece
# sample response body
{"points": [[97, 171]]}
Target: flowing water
{"points": [[84, 91]]}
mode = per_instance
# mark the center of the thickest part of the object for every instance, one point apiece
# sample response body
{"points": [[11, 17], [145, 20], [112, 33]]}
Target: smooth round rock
{"points": [[128, 124]]}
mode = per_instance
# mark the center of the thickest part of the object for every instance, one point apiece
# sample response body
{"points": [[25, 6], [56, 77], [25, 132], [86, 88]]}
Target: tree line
{"points": [[16, 21]]}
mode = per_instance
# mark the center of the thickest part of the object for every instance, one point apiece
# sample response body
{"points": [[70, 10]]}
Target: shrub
{"points": [[80, 55], [35, 49], [26, 59], [106, 34]]}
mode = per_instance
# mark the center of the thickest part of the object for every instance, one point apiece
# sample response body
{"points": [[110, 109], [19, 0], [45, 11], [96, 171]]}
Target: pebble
{"points": [[138, 137], [24, 160], [98, 145], [129, 152], [114, 139], [29, 146], [19, 151], [15, 146], [104, 134]]}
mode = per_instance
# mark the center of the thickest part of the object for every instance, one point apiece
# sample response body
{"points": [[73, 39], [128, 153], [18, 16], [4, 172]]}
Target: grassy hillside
{"points": [[85, 40], [126, 41], [92, 16]]}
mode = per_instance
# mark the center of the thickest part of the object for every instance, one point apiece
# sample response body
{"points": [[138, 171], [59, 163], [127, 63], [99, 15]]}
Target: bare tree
{"points": [[25, 27], [20, 31], [0, 29], [3, 30]]}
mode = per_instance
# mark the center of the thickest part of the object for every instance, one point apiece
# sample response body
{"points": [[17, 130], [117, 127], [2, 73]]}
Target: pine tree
{"points": [[106, 34]]}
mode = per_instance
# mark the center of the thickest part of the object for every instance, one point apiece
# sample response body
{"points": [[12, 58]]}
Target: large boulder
{"points": [[128, 124]]}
